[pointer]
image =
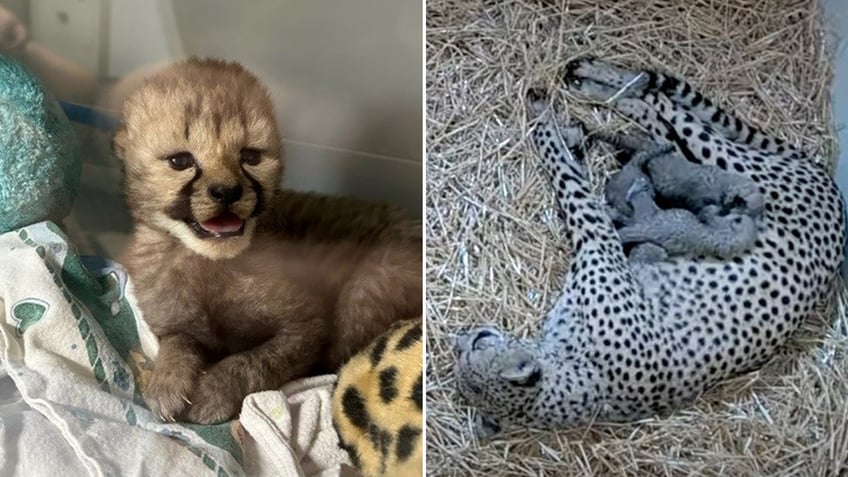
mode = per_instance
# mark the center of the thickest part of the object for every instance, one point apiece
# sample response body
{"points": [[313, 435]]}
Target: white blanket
{"points": [[74, 353]]}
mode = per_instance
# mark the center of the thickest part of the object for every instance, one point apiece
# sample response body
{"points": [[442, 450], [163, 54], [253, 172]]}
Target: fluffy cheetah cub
{"points": [[717, 230], [246, 286], [680, 183]]}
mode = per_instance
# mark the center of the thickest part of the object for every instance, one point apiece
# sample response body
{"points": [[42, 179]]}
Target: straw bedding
{"points": [[496, 251]]}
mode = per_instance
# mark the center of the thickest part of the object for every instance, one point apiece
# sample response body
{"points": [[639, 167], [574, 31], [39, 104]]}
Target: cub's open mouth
{"points": [[223, 225]]}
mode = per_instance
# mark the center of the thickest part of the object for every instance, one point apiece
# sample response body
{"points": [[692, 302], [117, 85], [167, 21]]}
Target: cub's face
{"points": [[201, 153]]}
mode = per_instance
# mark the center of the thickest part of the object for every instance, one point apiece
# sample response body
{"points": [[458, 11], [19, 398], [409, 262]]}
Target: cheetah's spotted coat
{"points": [[629, 340], [377, 404]]}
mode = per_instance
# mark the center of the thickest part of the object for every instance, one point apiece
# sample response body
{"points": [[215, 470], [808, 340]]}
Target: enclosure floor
{"points": [[496, 250]]}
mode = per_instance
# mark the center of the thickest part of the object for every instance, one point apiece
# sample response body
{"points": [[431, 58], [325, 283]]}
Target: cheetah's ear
{"points": [[521, 368]]}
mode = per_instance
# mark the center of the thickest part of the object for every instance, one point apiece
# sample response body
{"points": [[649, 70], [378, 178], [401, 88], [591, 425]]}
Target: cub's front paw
{"points": [[217, 398], [167, 393]]}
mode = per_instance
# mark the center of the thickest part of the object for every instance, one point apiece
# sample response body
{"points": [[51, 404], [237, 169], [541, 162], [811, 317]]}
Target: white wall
{"points": [[346, 77], [837, 12]]}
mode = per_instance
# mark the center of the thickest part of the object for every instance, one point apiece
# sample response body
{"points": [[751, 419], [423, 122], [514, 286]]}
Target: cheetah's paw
{"points": [[537, 101], [573, 132], [485, 428], [602, 81], [166, 393]]}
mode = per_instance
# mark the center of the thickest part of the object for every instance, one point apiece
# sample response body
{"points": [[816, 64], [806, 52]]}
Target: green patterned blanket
{"points": [[75, 352]]}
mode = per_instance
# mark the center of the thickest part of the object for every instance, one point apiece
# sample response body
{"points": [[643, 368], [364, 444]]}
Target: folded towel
{"points": [[75, 353]]}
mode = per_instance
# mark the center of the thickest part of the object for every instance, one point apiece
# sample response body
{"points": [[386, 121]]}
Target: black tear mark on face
{"points": [[259, 207], [190, 113], [531, 380], [181, 208], [217, 119], [737, 202]]}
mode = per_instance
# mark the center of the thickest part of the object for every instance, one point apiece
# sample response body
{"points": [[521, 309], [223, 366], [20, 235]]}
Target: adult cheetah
{"points": [[629, 340]]}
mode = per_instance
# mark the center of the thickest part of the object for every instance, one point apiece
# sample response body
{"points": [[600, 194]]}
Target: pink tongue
{"points": [[226, 222]]}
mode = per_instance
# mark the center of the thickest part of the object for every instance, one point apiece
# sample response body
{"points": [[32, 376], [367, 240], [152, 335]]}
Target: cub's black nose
{"points": [[225, 195]]}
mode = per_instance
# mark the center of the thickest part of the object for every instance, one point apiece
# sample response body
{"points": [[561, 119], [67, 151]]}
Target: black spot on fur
{"points": [[409, 338], [417, 392], [353, 406], [352, 452], [407, 439], [378, 350], [349, 448], [382, 440], [388, 385], [260, 194]]}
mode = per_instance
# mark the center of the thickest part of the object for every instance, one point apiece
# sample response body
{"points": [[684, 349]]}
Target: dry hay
{"points": [[496, 251]]}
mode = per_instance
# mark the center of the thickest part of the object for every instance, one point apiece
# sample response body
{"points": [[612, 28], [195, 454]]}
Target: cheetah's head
{"points": [[498, 375], [201, 154]]}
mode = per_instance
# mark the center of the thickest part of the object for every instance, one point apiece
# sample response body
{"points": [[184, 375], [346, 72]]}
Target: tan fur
{"points": [[311, 280], [377, 405]]}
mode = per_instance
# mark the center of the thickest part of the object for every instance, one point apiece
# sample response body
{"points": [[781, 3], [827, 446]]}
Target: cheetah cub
{"points": [[683, 184], [722, 201], [246, 286]]}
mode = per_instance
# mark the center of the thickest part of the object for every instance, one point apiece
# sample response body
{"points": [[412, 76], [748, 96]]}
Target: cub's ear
{"points": [[521, 368]]}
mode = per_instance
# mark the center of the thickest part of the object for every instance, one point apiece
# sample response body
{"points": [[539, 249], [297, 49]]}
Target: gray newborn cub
{"points": [[726, 204]]}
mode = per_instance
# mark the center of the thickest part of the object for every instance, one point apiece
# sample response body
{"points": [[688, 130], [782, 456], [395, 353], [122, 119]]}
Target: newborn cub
{"points": [[710, 207], [246, 286]]}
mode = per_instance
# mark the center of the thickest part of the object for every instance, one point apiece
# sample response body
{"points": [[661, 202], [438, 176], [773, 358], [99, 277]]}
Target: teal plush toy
{"points": [[40, 163]]}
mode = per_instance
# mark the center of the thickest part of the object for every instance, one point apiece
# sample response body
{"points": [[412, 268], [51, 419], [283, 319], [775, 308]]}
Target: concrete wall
{"points": [[346, 78], [837, 11]]}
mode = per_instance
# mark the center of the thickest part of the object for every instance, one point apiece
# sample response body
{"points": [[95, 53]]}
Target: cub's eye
{"points": [[251, 156], [181, 161]]}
